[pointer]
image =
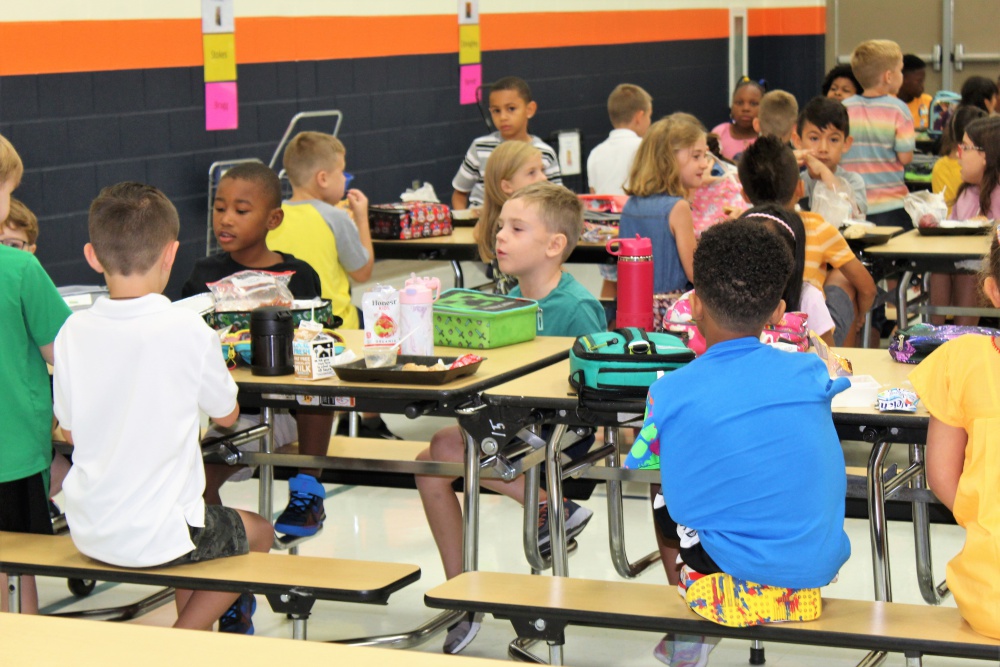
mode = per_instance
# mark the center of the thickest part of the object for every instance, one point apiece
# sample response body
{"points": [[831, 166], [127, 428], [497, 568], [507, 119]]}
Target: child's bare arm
{"points": [[226, 421], [905, 158], [46, 351], [459, 200], [682, 227], [359, 208], [817, 170], [945, 457], [861, 280]]}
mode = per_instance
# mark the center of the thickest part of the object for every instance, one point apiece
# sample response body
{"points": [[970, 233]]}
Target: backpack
{"points": [[623, 363]]}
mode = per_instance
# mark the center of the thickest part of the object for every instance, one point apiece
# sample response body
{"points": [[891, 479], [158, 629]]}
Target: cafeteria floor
{"points": [[388, 524]]}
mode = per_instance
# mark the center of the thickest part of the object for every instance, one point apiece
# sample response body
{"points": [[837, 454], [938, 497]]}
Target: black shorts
{"points": [[223, 535], [694, 557], [24, 506]]}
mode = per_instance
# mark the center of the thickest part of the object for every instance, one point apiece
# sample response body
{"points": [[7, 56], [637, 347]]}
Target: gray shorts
{"points": [[223, 535], [841, 310]]}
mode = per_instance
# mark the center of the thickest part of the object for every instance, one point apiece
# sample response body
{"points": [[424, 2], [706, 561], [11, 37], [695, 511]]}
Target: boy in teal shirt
{"points": [[539, 227]]}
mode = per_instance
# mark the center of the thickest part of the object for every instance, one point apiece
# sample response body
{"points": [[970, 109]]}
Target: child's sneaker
{"points": [[304, 515], [238, 619], [684, 650], [737, 603], [577, 517], [462, 633]]}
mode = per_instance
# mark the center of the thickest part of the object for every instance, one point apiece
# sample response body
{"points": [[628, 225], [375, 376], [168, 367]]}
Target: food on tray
{"points": [[439, 366], [854, 231]]}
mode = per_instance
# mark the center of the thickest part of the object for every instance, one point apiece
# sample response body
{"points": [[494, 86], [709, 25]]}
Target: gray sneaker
{"points": [[577, 517], [462, 633]]}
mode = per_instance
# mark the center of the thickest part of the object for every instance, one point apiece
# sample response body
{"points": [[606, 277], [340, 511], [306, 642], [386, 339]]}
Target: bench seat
{"points": [[561, 601], [291, 583]]}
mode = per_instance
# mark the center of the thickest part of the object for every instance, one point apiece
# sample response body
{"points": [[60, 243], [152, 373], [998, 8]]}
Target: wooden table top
{"points": [[500, 365], [912, 244], [461, 245], [550, 388], [44, 640]]}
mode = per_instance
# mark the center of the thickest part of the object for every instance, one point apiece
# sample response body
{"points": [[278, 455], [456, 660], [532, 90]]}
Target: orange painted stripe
{"points": [[45, 47], [277, 39], [502, 32], [785, 21]]}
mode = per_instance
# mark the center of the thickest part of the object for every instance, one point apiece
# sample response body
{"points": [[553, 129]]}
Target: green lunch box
{"points": [[467, 318]]}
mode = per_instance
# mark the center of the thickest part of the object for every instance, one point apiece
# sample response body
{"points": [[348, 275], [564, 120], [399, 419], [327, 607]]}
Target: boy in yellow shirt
{"points": [[315, 230]]}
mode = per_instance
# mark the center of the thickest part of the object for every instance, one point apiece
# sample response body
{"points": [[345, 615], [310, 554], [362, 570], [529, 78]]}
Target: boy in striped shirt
{"points": [[882, 128]]}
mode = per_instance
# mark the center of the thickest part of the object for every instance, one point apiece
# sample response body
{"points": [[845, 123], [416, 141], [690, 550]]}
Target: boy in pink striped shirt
{"points": [[882, 128]]}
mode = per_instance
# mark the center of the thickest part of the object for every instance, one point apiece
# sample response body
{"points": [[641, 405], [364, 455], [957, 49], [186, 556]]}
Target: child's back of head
{"points": [[656, 169], [776, 114], [625, 101], [872, 59], [559, 209], [130, 224], [310, 152], [741, 269], [769, 172], [501, 178], [788, 225], [980, 92]]}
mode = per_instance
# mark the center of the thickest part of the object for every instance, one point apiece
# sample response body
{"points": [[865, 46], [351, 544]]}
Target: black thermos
{"points": [[271, 334]]}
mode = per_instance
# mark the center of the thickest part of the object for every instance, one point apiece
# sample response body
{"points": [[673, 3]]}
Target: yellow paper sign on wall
{"points": [[468, 44], [220, 57]]}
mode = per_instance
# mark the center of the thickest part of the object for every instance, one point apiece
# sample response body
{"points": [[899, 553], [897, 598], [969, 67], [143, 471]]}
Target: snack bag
{"points": [[836, 205], [380, 308], [680, 322], [246, 290]]}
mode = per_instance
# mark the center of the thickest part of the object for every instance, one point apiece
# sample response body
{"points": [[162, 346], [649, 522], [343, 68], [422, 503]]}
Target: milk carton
{"points": [[380, 307], [313, 351]]}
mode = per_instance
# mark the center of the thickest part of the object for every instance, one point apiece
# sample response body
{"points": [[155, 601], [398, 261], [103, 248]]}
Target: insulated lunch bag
{"points": [[624, 362]]}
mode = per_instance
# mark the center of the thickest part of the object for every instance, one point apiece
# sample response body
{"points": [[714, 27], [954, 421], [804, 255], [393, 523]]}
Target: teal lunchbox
{"points": [[623, 363], [467, 318]]}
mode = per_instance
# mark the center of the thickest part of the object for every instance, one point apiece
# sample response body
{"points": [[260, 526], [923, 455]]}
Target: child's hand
{"points": [[358, 202], [814, 166]]}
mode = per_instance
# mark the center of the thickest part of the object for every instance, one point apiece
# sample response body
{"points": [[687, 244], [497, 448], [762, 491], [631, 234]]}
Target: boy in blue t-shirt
{"points": [[751, 466], [539, 227]]}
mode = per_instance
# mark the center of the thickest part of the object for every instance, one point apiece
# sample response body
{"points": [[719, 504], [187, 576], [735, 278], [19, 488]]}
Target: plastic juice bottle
{"points": [[416, 310]]}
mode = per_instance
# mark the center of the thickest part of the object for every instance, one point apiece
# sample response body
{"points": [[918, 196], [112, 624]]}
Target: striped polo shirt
{"points": [[881, 128]]}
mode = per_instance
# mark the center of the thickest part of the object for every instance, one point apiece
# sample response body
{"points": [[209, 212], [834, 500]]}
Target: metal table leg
{"points": [[14, 593], [922, 533], [456, 268], [876, 520], [902, 301], [557, 520], [470, 509], [616, 518]]}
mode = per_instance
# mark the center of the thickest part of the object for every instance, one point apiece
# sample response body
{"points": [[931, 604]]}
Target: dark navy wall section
{"points": [[795, 64], [402, 121]]}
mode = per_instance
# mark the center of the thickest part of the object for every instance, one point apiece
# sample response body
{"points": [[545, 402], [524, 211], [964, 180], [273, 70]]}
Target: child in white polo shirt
{"points": [[131, 374]]}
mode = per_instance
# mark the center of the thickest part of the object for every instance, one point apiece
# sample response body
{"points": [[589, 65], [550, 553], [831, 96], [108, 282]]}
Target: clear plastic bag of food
{"points": [[926, 208], [246, 290], [836, 205]]}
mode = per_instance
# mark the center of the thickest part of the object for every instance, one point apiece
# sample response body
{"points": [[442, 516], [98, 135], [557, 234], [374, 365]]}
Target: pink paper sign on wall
{"points": [[470, 78], [221, 110]]}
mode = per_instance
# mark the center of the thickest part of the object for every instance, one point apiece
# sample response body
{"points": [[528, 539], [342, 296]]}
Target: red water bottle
{"points": [[635, 281]]}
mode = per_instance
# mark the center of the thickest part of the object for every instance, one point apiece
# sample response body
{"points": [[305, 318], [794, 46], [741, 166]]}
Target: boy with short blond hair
{"points": [[776, 115], [630, 109], [132, 374], [883, 131], [539, 227], [511, 107], [318, 232], [31, 313], [20, 229]]}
